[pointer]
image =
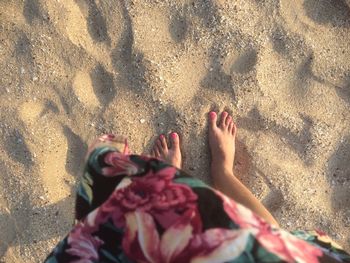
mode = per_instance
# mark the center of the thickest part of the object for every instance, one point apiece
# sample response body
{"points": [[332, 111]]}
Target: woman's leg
{"points": [[222, 144]]}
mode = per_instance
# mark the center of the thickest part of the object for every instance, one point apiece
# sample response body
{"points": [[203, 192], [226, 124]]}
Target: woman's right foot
{"points": [[222, 137]]}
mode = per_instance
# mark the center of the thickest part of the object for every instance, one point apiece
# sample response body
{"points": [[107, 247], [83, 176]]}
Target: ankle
{"points": [[221, 168], [222, 163]]}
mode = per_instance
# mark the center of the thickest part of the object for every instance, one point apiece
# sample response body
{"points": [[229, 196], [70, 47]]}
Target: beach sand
{"points": [[72, 70]]}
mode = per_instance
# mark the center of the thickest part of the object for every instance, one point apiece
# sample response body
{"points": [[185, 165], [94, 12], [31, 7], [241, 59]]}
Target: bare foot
{"points": [[171, 155], [222, 140]]}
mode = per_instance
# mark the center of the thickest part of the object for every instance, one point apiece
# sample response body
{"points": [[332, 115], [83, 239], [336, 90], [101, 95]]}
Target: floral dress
{"points": [[132, 208]]}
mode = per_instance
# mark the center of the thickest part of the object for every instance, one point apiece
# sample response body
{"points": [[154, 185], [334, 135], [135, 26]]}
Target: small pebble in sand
{"points": [[142, 121]]}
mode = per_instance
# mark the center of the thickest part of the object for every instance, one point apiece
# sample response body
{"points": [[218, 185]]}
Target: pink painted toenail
{"points": [[212, 114], [174, 135], [161, 136]]}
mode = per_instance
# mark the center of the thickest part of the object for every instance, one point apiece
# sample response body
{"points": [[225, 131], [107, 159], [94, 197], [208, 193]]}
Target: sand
{"points": [[71, 70]]}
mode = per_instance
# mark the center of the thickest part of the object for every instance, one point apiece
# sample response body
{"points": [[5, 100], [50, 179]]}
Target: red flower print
{"points": [[288, 247], [241, 215], [283, 244], [179, 243], [83, 245], [120, 164], [154, 193]]}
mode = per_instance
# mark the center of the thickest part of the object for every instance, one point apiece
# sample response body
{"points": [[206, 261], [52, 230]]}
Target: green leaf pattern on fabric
{"points": [[85, 187]]}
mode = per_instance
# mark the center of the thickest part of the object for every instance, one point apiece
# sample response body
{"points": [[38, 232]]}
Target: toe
{"points": [[160, 146], [156, 152], [230, 127], [223, 119], [161, 151], [212, 119], [175, 142], [163, 142], [228, 121], [234, 129]]}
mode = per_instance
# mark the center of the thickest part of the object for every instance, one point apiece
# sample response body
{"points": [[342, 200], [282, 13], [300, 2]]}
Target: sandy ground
{"points": [[71, 70]]}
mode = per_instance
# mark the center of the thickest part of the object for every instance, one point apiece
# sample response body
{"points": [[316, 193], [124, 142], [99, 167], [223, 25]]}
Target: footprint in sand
{"points": [[97, 24], [94, 89], [31, 10], [277, 77], [183, 84], [84, 26], [49, 146], [223, 69], [103, 84], [155, 35], [178, 27], [338, 174], [17, 148], [7, 222], [302, 15], [242, 62], [287, 44], [76, 152], [83, 89], [75, 25], [328, 12]]}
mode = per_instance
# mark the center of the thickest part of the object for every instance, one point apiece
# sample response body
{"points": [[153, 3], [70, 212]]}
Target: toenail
{"points": [[161, 136], [173, 135], [111, 136], [212, 114]]}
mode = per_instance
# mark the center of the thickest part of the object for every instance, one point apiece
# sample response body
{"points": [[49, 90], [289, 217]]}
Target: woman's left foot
{"points": [[171, 155]]}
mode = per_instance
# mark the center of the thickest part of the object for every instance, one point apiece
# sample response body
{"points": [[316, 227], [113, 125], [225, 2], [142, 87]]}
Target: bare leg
{"points": [[222, 145], [170, 154]]}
